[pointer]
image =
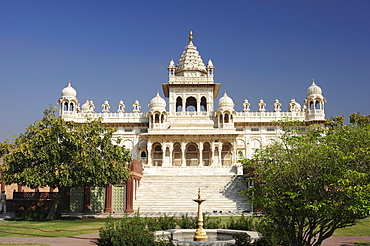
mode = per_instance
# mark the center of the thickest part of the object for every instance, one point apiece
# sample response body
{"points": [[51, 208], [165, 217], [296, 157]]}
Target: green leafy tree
{"points": [[60, 154], [5, 148], [308, 185]]}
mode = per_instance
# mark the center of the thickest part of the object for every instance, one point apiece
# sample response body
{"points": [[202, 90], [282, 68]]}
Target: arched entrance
{"points": [[192, 155], [157, 155], [226, 154], [176, 155], [206, 154]]}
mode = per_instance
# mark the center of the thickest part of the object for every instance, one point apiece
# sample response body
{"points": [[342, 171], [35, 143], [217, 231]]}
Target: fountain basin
{"points": [[215, 237]]}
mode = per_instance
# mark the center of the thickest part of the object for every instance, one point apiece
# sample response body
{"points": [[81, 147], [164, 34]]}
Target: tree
{"points": [[308, 185], [60, 154]]}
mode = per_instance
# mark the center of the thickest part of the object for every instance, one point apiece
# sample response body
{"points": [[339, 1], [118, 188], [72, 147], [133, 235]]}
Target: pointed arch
{"points": [[191, 104], [226, 156], [206, 154], [192, 154], [65, 106], [178, 104], [157, 154], [203, 104], [176, 155]]}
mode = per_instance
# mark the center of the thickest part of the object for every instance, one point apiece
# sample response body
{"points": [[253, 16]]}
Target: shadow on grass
{"points": [[363, 243]]}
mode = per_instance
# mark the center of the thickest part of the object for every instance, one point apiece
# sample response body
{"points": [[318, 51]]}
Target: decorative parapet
{"points": [[268, 116], [107, 117], [239, 117], [190, 80]]}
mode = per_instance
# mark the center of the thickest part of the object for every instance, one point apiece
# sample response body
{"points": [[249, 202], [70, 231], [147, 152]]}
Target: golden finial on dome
{"points": [[313, 81], [191, 36]]}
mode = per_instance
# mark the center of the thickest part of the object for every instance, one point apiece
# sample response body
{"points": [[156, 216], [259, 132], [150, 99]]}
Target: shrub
{"points": [[242, 223], [211, 223], [130, 231], [31, 215], [187, 222], [242, 239], [166, 222]]}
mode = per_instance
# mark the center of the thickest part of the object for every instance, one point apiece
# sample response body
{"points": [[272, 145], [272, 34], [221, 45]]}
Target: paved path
{"points": [[82, 240], [92, 240], [344, 241]]}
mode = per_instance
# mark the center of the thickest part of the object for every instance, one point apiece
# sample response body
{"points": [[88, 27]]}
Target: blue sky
{"points": [[113, 50]]}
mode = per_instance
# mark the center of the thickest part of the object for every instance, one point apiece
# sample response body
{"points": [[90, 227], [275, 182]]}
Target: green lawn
{"points": [[364, 243], [56, 228], [67, 228], [362, 228]]}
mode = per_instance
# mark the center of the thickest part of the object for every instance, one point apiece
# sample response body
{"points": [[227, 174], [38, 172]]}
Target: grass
{"points": [[362, 228], [69, 228], [55, 228], [362, 243]]}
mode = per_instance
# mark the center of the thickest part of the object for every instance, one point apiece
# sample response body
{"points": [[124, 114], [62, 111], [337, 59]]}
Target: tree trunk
{"points": [[56, 203]]}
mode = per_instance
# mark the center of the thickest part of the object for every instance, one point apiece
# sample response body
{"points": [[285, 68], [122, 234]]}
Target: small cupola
{"points": [[157, 103], [225, 103], [313, 89], [69, 91]]}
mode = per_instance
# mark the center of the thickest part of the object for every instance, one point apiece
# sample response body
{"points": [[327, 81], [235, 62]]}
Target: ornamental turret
{"points": [[294, 106], [277, 105], [157, 112], [105, 107], [68, 103], [315, 102], [226, 112], [121, 107], [88, 107]]}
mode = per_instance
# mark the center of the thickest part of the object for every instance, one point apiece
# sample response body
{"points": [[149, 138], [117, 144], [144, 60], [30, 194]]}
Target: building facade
{"points": [[193, 131]]}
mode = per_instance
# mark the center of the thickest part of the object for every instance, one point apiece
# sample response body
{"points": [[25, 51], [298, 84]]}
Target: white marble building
{"points": [[191, 131]]}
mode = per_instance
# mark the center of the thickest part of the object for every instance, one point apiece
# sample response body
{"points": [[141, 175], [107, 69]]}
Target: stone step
{"points": [[174, 189]]}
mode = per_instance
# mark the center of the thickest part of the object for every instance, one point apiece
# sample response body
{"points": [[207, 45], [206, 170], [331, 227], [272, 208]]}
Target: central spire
{"points": [[191, 37], [190, 59]]}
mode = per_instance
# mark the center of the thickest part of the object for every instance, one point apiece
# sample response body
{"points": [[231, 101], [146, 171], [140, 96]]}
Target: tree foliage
{"points": [[60, 154], [308, 185]]}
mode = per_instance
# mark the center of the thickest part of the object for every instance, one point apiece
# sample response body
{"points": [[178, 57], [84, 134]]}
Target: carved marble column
{"points": [[149, 156], [164, 150], [198, 104], [200, 153], [171, 152], [220, 155], [183, 104], [183, 151]]}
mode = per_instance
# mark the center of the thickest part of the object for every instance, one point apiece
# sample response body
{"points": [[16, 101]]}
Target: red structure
{"points": [[132, 183], [46, 198]]}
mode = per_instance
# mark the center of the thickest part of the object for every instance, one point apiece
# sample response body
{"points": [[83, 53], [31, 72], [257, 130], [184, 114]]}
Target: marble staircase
{"points": [[173, 190]]}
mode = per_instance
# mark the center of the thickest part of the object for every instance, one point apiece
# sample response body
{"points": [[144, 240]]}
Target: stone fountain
{"points": [[200, 233], [204, 237]]}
